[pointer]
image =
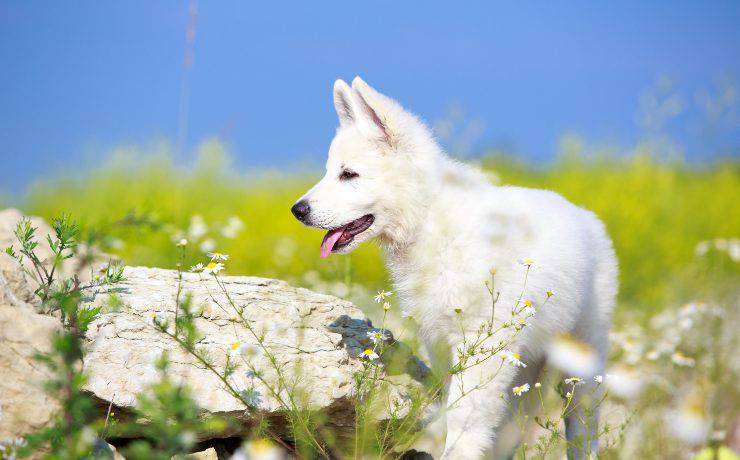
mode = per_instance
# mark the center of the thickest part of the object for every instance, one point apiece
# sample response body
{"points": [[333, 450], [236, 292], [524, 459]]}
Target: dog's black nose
{"points": [[300, 210]]}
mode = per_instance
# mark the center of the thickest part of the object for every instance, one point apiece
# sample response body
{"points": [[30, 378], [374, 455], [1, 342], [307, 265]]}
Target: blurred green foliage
{"points": [[656, 212]]}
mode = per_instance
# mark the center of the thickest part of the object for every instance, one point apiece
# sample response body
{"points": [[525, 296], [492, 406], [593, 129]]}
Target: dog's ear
{"points": [[373, 120], [344, 103]]}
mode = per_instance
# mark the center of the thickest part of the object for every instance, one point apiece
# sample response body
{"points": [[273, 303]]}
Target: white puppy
{"points": [[442, 227]]}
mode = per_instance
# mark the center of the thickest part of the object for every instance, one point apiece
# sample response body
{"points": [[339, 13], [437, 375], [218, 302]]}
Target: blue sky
{"points": [[78, 78]]}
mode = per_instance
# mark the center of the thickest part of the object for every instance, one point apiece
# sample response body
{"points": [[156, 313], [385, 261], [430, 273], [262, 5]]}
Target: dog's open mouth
{"points": [[342, 236]]}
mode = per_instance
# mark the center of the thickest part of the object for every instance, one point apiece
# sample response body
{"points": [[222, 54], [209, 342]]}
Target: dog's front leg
{"points": [[475, 407]]}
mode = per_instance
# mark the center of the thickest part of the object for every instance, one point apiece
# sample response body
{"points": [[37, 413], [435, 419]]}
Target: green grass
{"points": [[656, 213]]}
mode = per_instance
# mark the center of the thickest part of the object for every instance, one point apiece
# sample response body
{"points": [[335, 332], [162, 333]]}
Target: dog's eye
{"points": [[348, 175]]}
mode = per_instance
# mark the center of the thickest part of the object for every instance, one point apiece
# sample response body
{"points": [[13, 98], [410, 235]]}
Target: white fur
{"points": [[442, 226]]}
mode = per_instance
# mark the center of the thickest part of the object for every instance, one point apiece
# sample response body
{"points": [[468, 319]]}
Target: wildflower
{"points": [[538, 385], [520, 389], [492, 271], [251, 397], [369, 354], [213, 268], [182, 243], [188, 438], [377, 336], [568, 395], [528, 309], [262, 449], [513, 359], [549, 294], [679, 359], [232, 228], [278, 329], [248, 350], [689, 422], [197, 268], [207, 245], [624, 383], [381, 295], [572, 356], [599, 379], [217, 256], [574, 381], [458, 311], [386, 306], [526, 262], [197, 228]]}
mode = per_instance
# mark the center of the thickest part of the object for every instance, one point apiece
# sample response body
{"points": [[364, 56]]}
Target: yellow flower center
{"points": [[235, 345], [211, 265]]}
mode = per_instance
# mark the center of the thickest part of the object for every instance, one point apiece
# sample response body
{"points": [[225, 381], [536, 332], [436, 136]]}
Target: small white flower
{"points": [[526, 262], [248, 350], [207, 245], [574, 381], [599, 379], [197, 228], [528, 310], [197, 268], [520, 389], [624, 382], [538, 385], [232, 228], [377, 336], [679, 359], [572, 356], [217, 256], [182, 243], [386, 306], [513, 359], [381, 295], [369, 354], [213, 268]]}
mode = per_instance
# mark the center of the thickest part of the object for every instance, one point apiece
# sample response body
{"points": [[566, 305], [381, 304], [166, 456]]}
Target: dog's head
{"points": [[372, 175]]}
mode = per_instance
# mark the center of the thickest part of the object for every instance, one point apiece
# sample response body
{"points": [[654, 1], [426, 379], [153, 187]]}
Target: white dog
{"points": [[442, 227]]}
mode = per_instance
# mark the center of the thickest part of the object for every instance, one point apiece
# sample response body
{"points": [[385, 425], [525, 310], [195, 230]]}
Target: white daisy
{"points": [[369, 354], [248, 350], [513, 359], [213, 268], [599, 379], [679, 359], [526, 262], [377, 336], [572, 356], [574, 381], [197, 268], [520, 389], [381, 295], [217, 256]]}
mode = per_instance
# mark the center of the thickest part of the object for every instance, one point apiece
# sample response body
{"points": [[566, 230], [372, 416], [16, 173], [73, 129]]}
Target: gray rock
{"points": [[24, 406], [315, 338]]}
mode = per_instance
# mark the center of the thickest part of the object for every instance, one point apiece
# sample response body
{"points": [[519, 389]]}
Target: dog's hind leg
{"points": [[475, 407], [509, 433]]}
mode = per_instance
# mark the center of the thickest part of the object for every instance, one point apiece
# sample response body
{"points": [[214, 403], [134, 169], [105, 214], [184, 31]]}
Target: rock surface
{"points": [[24, 406], [316, 339]]}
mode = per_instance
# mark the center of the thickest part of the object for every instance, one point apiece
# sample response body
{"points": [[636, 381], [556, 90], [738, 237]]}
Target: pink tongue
{"points": [[329, 241]]}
